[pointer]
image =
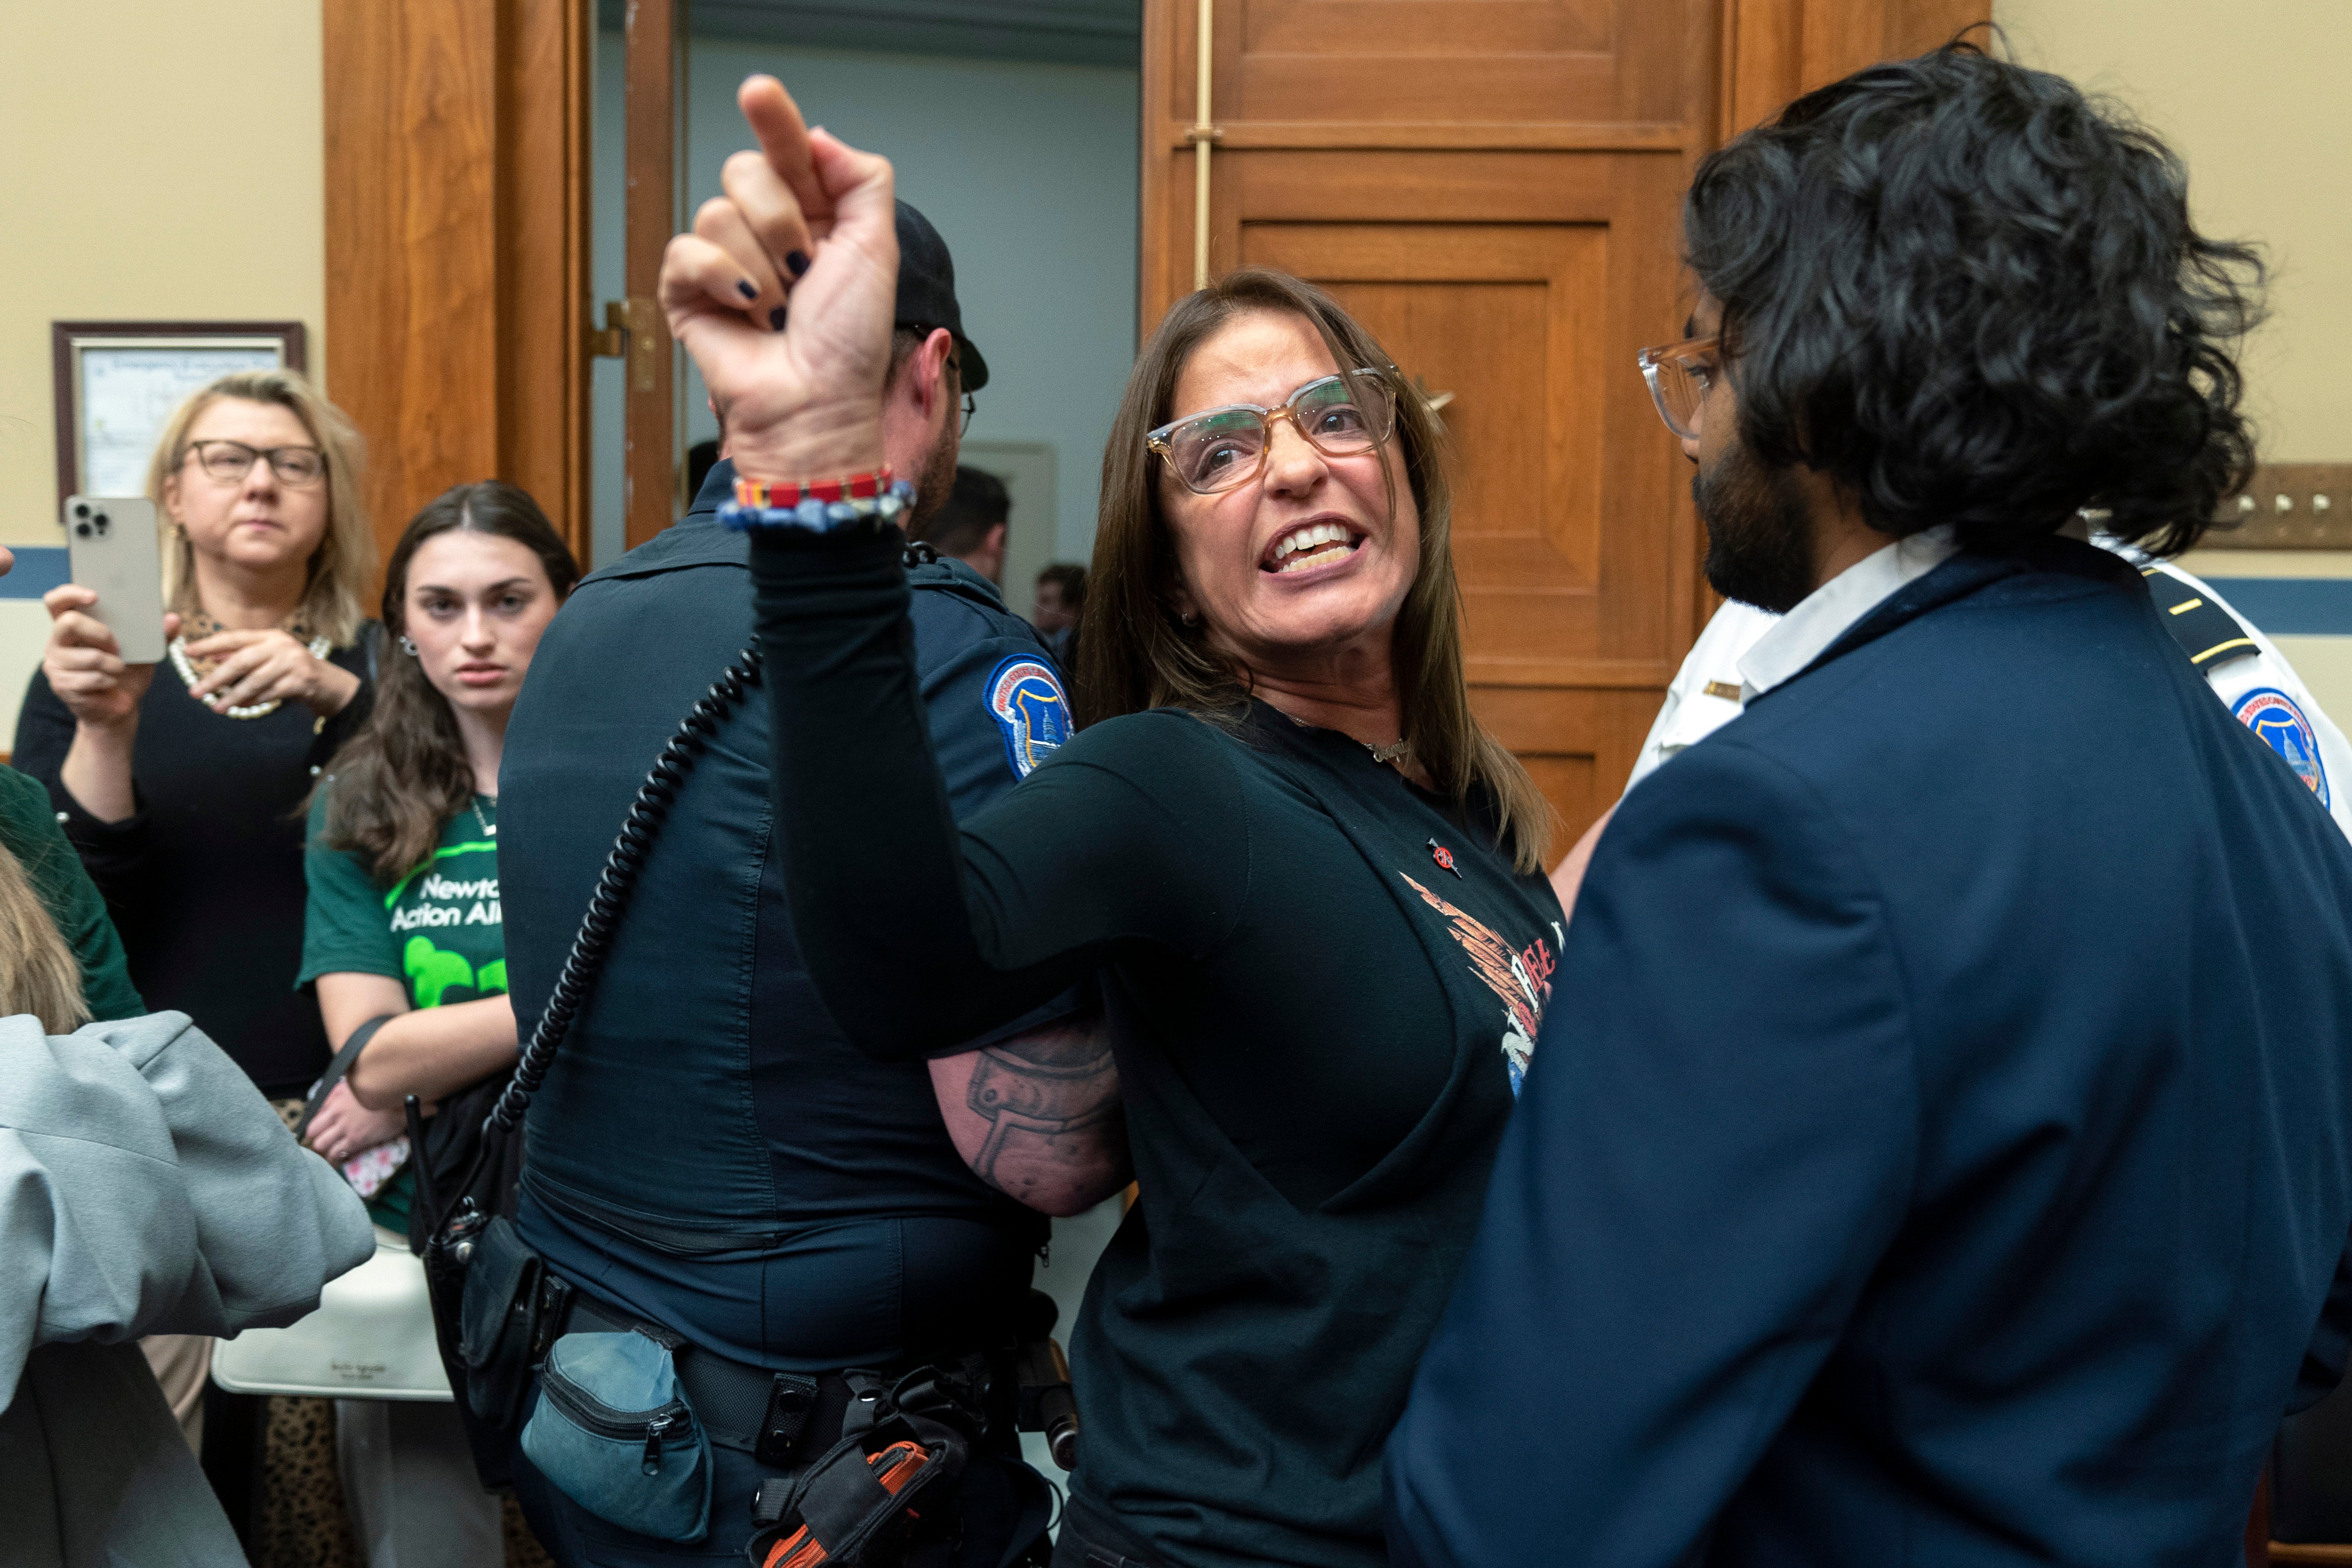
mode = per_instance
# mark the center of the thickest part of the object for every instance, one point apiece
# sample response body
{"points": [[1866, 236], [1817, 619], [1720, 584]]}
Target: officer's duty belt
{"points": [[751, 1408]]}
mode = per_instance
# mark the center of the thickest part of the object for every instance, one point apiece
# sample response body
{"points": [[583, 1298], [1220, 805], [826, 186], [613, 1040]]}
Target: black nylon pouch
{"points": [[497, 1324], [838, 1506]]}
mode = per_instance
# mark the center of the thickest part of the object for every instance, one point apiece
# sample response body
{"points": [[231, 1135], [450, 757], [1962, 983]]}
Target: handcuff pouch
{"points": [[497, 1322], [883, 1496]]}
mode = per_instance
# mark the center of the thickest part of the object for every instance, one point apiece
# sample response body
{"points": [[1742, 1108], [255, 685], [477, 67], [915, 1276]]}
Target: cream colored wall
{"points": [[165, 161], [2254, 97]]}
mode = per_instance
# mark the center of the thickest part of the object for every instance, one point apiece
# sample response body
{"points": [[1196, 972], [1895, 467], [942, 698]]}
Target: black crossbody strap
{"points": [[353, 1045]]}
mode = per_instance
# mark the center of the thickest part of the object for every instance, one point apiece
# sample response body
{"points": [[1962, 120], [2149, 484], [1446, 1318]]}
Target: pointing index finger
{"points": [[783, 136]]}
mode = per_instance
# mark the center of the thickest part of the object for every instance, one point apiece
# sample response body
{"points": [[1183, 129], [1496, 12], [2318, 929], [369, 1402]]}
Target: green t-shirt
{"points": [[436, 930], [28, 826]]}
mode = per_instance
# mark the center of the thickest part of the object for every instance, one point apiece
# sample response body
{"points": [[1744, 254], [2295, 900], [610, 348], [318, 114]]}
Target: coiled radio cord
{"points": [[655, 797]]}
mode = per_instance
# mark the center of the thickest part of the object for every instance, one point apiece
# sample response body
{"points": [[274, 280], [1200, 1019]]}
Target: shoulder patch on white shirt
{"points": [[2272, 715], [1026, 699]]}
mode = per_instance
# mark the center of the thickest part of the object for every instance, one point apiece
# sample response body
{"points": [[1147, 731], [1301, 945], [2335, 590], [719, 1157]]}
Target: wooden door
{"points": [[1493, 186], [456, 206]]}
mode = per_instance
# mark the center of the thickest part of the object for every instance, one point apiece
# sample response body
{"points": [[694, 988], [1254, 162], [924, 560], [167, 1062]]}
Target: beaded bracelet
{"points": [[818, 514], [785, 494]]}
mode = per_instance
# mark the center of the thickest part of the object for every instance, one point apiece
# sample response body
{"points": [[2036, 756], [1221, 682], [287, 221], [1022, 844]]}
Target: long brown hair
{"points": [[335, 602], [1134, 651], [405, 772], [37, 972]]}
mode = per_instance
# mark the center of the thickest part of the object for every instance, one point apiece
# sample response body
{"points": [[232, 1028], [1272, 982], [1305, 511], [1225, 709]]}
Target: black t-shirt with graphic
{"points": [[1323, 986], [438, 930]]}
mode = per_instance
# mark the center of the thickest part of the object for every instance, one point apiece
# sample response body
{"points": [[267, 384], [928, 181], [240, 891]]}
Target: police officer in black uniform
{"points": [[707, 1156]]}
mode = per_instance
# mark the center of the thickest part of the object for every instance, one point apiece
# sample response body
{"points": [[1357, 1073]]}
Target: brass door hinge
{"points": [[614, 341], [634, 331]]}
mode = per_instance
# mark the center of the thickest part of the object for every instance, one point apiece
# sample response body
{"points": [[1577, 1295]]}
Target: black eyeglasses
{"points": [[297, 468], [955, 363]]}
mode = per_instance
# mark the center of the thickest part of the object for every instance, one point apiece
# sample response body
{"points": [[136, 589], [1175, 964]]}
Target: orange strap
{"points": [[893, 1467]]}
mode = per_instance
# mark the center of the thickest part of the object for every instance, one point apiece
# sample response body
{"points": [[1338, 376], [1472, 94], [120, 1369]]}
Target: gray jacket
{"points": [[144, 1188]]}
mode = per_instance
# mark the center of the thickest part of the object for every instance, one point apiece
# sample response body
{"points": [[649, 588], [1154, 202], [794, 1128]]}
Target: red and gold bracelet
{"points": [[819, 506], [783, 494]]}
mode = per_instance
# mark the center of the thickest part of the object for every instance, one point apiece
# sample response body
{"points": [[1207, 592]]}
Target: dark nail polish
{"points": [[776, 318], [796, 261], [749, 289]]}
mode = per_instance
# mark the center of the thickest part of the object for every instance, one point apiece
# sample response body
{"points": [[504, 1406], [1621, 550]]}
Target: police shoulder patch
{"points": [[1026, 699], [2273, 714]]}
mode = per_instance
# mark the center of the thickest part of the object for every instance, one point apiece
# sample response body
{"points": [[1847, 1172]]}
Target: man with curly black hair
{"points": [[1943, 1149]]}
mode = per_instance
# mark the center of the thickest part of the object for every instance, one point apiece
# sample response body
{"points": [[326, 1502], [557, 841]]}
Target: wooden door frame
{"points": [[1775, 49], [456, 229], [1764, 53], [653, 40]]}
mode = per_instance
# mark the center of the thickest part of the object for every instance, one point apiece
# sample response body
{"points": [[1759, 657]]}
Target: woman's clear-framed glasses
{"points": [[1679, 375], [1224, 449], [230, 461]]}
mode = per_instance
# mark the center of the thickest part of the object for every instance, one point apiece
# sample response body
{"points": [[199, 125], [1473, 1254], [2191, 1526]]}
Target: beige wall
{"points": [[165, 161], [2254, 96]]}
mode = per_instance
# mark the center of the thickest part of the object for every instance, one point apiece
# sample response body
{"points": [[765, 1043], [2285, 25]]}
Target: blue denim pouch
{"points": [[614, 1431]]}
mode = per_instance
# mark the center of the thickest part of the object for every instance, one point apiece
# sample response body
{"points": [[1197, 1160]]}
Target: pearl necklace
{"points": [[320, 648]]}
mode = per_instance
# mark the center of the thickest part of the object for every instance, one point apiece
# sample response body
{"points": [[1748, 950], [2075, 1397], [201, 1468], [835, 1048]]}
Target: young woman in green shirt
{"points": [[404, 925], [404, 920]]}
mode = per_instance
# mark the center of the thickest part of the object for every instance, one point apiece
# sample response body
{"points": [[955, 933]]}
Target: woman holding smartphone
{"points": [[180, 787], [403, 937]]}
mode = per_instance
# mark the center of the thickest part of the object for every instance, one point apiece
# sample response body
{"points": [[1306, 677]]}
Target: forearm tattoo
{"points": [[1038, 1089]]}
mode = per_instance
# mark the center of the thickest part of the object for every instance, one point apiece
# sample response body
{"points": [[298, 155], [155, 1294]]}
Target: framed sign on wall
{"points": [[118, 382]]}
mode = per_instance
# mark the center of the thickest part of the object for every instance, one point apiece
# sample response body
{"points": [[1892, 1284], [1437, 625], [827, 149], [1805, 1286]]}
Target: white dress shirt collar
{"points": [[1822, 616]]}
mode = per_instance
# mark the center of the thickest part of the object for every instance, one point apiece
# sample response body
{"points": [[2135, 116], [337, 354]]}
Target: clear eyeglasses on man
{"points": [[1679, 375]]}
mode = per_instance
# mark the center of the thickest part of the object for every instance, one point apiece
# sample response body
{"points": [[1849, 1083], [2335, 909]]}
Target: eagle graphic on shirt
{"points": [[1521, 980]]}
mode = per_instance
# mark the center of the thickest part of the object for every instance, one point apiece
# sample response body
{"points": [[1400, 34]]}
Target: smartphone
{"points": [[111, 546]]}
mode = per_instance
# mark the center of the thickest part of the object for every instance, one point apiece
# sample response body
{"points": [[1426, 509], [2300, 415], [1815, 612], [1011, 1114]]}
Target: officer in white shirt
{"points": [[1744, 651]]}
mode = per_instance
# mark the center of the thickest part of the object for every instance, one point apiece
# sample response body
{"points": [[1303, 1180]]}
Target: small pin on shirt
{"points": [[1444, 858]]}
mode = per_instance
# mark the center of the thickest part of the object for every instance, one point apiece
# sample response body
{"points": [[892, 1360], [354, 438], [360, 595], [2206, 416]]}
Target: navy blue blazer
{"points": [[1939, 1148]]}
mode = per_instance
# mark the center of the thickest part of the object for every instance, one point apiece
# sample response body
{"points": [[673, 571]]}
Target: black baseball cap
{"points": [[927, 296]]}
